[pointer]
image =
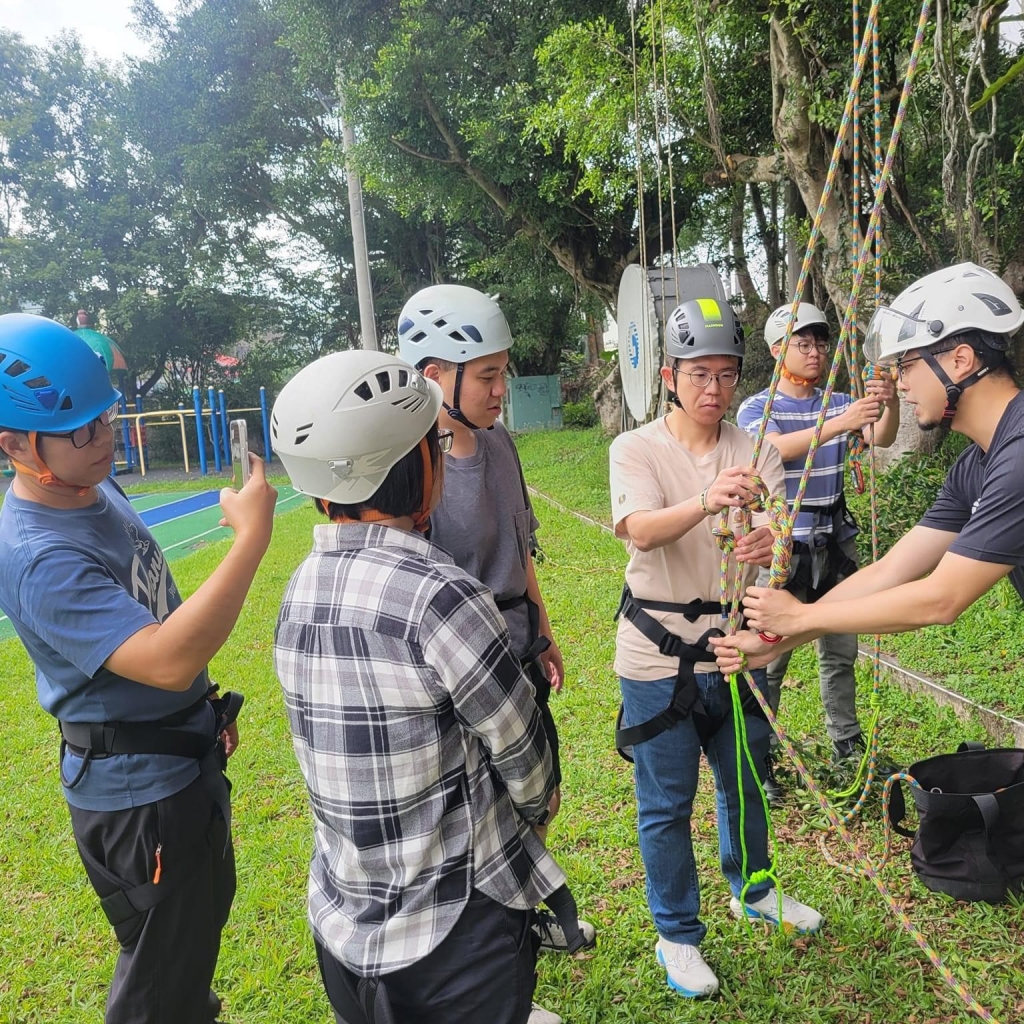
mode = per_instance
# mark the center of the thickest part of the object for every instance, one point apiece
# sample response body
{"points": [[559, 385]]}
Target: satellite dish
{"points": [[646, 298], [639, 343]]}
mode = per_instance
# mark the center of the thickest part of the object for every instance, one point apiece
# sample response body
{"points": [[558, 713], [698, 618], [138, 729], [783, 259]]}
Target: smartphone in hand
{"points": [[239, 434]]}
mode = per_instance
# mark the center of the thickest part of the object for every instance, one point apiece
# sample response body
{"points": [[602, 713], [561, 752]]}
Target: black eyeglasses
{"points": [[445, 439], [80, 437], [902, 364], [805, 345], [727, 379]]}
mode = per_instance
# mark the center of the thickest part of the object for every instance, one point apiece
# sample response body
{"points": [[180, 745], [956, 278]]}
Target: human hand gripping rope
{"points": [[868, 868], [856, 447]]}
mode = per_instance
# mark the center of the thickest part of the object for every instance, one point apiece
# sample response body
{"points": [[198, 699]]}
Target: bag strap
{"points": [[989, 807], [970, 745], [898, 810]]}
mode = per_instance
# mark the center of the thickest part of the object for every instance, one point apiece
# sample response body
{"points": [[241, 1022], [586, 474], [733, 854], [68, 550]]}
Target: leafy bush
{"points": [[580, 378], [580, 414], [904, 492]]}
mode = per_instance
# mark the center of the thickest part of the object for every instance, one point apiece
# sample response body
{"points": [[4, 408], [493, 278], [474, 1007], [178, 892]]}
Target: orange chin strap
{"points": [[800, 382], [420, 519], [44, 475]]}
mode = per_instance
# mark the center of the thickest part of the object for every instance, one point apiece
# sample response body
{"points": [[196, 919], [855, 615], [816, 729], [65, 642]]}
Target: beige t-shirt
{"points": [[651, 470]]}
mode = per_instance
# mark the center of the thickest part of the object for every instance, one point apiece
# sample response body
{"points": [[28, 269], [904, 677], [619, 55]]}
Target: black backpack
{"points": [[969, 841]]}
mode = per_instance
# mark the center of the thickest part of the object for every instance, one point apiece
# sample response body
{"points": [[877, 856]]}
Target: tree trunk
{"points": [[806, 158]]}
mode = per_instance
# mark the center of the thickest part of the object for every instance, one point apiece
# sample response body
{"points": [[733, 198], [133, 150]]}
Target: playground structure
{"points": [[133, 441]]}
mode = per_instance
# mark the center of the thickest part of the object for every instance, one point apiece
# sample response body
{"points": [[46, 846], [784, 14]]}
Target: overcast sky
{"points": [[101, 24]]}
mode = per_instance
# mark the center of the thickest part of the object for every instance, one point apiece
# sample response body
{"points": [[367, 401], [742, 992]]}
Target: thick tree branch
{"points": [[745, 169], [406, 148]]}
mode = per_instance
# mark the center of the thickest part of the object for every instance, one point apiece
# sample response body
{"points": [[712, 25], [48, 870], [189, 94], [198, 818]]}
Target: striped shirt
{"points": [[420, 742], [825, 484]]}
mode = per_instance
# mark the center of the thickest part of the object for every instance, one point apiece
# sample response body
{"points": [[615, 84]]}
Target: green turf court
{"points": [[183, 522]]}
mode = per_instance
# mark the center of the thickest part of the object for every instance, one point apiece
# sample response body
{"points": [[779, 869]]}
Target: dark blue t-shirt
{"points": [[76, 584], [982, 499]]}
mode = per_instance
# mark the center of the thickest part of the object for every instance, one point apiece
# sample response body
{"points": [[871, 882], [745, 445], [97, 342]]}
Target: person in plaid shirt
{"points": [[415, 728]]}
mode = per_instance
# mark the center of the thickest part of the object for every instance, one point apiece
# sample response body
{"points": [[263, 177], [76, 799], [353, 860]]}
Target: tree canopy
{"points": [[196, 198]]}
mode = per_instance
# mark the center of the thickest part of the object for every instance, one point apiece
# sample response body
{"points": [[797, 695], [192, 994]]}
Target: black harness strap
{"points": [[685, 697], [540, 643], [840, 564]]}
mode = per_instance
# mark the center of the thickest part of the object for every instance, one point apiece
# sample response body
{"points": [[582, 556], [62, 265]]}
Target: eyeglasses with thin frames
{"points": [[445, 440], [902, 364], [83, 436], [727, 379], [805, 345]]}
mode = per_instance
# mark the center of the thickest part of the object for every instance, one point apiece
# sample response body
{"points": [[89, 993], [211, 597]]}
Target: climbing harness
{"points": [[193, 733]]}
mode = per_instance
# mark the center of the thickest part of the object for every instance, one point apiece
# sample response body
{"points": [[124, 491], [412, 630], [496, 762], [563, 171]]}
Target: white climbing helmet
{"points": [[807, 315], [950, 301], [451, 322], [343, 421]]}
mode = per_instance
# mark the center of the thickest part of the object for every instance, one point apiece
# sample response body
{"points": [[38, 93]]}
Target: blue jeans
{"points": [[666, 782]]}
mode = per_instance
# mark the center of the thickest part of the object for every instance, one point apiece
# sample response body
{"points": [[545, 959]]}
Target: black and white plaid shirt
{"points": [[420, 742]]}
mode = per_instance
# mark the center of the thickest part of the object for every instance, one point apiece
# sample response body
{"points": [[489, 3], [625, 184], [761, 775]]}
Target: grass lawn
{"points": [[981, 655], [57, 954]]}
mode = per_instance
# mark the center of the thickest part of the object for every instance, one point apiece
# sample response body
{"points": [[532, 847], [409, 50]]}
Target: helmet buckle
{"points": [[341, 468]]}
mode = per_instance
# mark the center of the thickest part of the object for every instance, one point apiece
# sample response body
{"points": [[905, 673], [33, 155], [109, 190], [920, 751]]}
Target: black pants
{"points": [[168, 954], [481, 973]]}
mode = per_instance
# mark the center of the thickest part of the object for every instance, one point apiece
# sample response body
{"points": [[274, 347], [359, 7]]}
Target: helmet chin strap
{"points": [[421, 520], [453, 410], [954, 391], [44, 476], [801, 382]]}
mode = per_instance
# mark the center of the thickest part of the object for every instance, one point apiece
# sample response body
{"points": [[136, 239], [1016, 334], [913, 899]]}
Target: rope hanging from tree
{"points": [[781, 516]]}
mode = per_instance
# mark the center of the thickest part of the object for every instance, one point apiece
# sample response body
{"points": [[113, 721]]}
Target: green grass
{"points": [[570, 466], [981, 655], [56, 952]]}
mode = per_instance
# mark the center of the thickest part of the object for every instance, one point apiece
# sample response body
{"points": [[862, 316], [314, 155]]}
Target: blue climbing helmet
{"points": [[50, 380]]}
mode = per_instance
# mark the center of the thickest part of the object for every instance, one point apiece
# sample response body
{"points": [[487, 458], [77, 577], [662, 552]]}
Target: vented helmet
{"points": [[343, 421]]}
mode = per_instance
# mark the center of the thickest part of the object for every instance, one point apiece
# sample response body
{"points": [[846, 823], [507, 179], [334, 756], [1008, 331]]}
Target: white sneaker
{"points": [[552, 937], [796, 916], [686, 970], [538, 1015]]}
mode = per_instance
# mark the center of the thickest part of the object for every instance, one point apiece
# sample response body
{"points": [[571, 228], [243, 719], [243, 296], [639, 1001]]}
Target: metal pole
{"points": [[225, 429], [361, 257], [214, 428], [267, 453], [126, 436], [184, 440], [138, 426], [197, 405]]}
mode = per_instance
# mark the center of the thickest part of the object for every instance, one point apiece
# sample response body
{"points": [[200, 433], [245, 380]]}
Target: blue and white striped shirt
{"points": [[825, 484]]}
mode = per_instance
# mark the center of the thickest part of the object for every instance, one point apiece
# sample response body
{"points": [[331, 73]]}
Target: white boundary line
{"points": [[189, 540]]}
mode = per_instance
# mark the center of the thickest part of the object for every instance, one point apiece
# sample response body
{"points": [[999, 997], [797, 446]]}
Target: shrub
{"points": [[579, 414], [904, 492]]}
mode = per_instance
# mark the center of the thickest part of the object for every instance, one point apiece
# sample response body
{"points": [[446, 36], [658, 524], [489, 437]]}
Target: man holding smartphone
{"points": [[121, 662]]}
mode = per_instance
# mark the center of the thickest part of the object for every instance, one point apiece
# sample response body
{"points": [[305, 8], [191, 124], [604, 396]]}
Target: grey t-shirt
{"points": [[982, 499], [485, 521]]}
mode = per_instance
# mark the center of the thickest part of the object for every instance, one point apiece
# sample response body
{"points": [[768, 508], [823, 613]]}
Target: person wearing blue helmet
{"points": [[121, 662]]}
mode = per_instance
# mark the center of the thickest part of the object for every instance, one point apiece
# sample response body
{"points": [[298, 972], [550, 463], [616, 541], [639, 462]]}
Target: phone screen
{"points": [[239, 453]]}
